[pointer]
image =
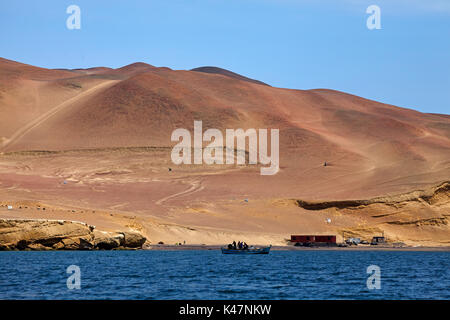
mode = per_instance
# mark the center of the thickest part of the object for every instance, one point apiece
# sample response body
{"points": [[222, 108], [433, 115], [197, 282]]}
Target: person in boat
{"points": [[234, 245], [245, 246]]}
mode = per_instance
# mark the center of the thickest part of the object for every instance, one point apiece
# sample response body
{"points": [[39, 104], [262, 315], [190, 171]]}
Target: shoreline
{"points": [[60, 235], [292, 248], [274, 248]]}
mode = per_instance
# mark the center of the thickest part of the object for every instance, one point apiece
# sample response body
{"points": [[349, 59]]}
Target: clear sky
{"points": [[299, 44]]}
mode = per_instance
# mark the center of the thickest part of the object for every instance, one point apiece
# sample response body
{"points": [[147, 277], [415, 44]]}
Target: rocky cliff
{"points": [[40, 234]]}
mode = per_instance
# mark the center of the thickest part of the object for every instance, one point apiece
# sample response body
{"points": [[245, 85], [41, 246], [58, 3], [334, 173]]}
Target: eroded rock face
{"points": [[17, 234], [45, 234], [108, 240], [133, 239]]}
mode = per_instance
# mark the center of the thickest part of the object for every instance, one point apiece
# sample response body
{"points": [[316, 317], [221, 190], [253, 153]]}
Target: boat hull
{"points": [[265, 250]]}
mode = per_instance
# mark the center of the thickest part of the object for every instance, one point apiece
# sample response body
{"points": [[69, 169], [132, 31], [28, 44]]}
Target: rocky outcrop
{"points": [[20, 234], [436, 195], [108, 240], [45, 234], [113, 240], [133, 239]]}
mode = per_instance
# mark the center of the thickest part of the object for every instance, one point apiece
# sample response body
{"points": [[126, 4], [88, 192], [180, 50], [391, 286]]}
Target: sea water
{"points": [[208, 274]]}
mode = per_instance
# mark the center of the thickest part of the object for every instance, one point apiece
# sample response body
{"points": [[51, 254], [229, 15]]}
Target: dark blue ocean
{"points": [[207, 274]]}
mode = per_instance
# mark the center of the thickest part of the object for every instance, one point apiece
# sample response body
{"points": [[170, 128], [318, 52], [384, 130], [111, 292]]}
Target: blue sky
{"points": [[300, 44]]}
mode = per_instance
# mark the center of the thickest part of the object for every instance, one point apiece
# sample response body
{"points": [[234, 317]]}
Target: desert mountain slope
{"points": [[226, 73], [108, 131], [139, 105]]}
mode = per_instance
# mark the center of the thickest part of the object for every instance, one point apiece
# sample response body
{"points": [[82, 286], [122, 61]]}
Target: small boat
{"points": [[250, 250]]}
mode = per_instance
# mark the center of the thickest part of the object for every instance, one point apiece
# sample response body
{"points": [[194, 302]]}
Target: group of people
{"points": [[238, 246]]}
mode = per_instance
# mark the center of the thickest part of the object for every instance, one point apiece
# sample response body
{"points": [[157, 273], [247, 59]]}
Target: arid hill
{"points": [[107, 133], [227, 73]]}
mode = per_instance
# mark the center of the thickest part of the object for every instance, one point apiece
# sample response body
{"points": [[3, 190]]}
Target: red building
{"points": [[313, 240]]}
